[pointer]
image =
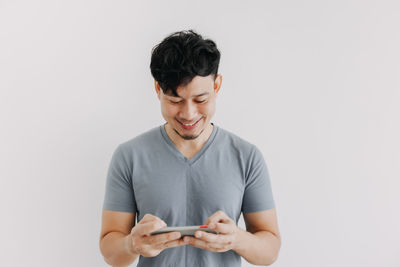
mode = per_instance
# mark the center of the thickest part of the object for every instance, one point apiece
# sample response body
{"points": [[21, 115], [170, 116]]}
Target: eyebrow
{"points": [[206, 93]]}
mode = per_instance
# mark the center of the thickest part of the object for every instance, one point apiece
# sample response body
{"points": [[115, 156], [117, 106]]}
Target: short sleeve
{"points": [[119, 194], [258, 192]]}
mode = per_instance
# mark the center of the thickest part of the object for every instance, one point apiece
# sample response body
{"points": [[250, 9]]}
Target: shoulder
{"points": [[236, 149], [230, 139], [234, 146], [141, 142]]}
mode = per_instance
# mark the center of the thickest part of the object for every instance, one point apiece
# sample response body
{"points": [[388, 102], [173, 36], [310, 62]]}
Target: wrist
{"points": [[240, 240], [129, 245]]}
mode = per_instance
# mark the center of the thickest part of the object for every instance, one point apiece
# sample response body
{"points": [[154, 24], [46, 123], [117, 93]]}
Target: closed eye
{"points": [[178, 102]]}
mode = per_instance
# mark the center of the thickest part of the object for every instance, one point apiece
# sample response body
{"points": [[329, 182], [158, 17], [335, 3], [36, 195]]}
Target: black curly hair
{"points": [[180, 57]]}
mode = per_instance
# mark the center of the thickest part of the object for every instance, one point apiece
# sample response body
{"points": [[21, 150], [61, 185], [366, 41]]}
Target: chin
{"points": [[181, 132]]}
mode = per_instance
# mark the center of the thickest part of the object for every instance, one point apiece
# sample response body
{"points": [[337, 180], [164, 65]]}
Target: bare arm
{"points": [[121, 241], [261, 243], [114, 238]]}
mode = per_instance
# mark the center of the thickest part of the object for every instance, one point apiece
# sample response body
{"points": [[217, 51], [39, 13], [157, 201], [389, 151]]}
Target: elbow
{"points": [[101, 246], [278, 245], [273, 259], [103, 251], [273, 256]]}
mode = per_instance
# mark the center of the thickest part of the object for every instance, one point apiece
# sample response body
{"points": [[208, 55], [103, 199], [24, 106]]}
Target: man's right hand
{"points": [[141, 242]]}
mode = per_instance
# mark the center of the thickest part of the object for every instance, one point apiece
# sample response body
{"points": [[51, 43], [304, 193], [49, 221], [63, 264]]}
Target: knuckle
{"points": [[208, 238], [147, 215], [220, 249], [171, 244], [153, 254], [159, 247], [158, 223], [171, 236]]}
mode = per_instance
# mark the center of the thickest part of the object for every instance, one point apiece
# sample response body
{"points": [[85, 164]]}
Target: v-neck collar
{"points": [[179, 155]]}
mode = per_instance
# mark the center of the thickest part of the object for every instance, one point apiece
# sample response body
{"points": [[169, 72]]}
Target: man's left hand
{"points": [[226, 239]]}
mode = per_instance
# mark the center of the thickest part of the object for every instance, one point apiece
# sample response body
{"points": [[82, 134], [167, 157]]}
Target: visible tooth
{"points": [[189, 124]]}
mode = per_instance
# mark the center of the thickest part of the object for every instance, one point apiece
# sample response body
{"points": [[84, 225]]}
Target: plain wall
{"points": [[314, 84]]}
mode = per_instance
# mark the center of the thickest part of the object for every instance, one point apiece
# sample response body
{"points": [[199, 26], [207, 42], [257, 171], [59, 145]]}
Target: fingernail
{"points": [[198, 234], [212, 226]]}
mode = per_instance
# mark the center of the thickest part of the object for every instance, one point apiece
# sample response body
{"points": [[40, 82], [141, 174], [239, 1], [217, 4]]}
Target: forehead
{"points": [[198, 86]]}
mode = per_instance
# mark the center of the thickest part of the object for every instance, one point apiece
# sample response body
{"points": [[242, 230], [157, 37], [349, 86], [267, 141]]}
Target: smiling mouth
{"points": [[189, 126]]}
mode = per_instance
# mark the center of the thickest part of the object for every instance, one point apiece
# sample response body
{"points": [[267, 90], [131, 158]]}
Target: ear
{"points": [[217, 83], [158, 88]]}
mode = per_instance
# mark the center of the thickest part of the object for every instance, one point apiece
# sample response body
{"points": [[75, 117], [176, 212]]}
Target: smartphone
{"points": [[184, 230]]}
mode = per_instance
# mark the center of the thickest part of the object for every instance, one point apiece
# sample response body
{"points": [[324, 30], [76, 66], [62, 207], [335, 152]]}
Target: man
{"points": [[188, 172]]}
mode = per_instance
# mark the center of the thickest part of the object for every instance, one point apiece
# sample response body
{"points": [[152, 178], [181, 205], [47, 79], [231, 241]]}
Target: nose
{"points": [[188, 112]]}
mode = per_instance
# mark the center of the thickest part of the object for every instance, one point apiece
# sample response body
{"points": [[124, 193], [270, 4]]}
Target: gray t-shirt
{"points": [[148, 174]]}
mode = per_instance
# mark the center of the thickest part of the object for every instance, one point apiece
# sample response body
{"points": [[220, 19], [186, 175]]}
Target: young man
{"points": [[188, 172]]}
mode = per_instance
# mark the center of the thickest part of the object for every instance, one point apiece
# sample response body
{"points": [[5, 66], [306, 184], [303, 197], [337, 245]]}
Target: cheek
{"points": [[208, 109], [168, 110]]}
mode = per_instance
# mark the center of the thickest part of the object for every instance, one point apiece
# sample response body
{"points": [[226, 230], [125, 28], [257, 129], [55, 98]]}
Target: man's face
{"points": [[190, 113]]}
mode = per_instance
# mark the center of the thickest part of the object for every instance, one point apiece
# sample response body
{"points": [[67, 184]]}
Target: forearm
{"points": [[115, 249], [260, 248]]}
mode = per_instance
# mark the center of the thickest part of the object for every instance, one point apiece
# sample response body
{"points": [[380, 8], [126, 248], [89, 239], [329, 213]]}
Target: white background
{"points": [[314, 84]]}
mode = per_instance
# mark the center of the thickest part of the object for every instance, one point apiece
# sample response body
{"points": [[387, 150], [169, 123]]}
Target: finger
{"points": [[148, 218], [162, 238], [148, 227], [195, 242], [173, 243], [209, 237], [218, 216], [203, 244], [213, 238], [222, 228]]}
